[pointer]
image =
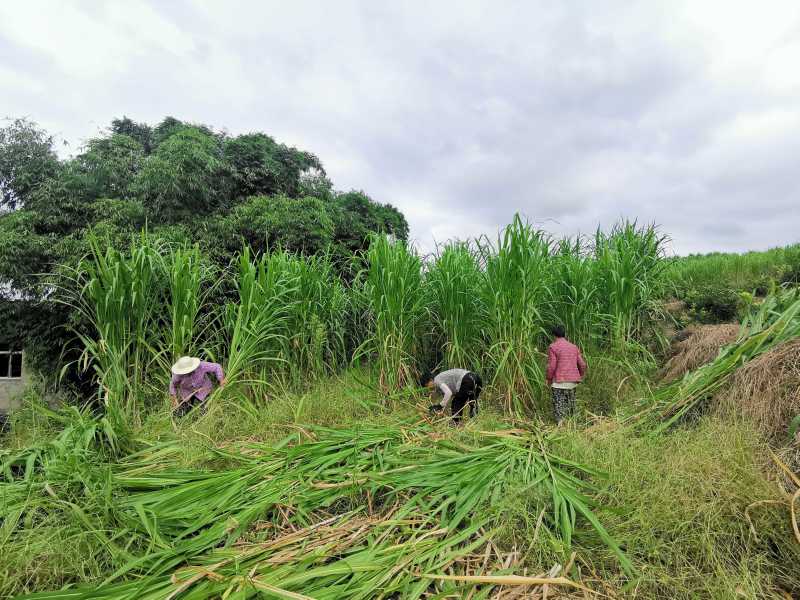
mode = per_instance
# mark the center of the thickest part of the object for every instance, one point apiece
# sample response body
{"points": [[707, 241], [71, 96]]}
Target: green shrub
{"points": [[713, 303]]}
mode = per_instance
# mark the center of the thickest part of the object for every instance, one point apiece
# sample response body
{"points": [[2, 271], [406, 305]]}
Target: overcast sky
{"points": [[459, 113]]}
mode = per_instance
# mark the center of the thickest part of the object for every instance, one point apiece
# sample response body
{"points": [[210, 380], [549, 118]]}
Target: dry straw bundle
{"points": [[774, 325], [766, 390], [700, 347]]}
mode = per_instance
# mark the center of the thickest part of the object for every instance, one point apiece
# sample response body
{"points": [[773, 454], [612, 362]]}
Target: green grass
{"points": [[674, 503], [514, 293], [747, 272], [165, 515], [631, 269], [457, 313], [282, 320], [681, 501], [395, 299]]}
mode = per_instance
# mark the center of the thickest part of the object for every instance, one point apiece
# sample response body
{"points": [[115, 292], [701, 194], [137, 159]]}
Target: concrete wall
{"points": [[11, 389]]}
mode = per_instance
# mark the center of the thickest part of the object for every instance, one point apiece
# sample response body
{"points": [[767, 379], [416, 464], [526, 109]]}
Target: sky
{"points": [[574, 114]]}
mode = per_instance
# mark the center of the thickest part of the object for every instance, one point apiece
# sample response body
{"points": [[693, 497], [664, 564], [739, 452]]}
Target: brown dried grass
{"points": [[766, 390], [701, 346], [674, 306], [790, 456]]}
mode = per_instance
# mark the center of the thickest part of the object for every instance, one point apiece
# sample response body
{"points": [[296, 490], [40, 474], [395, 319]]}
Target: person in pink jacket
{"points": [[565, 370]]}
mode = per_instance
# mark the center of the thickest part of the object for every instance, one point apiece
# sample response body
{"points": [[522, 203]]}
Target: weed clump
{"points": [[713, 303], [677, 504]]}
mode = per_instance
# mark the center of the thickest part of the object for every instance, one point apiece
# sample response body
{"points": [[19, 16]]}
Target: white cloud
{"points": [[20, 82], [459, 113]]}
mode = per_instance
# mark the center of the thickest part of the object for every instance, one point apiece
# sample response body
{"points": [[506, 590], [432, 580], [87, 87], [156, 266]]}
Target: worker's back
{"points": [[451, 378], [565, 363]]}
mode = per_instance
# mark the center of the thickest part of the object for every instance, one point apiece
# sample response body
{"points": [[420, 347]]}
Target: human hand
{"points": [[224, 382], [435, 408]]}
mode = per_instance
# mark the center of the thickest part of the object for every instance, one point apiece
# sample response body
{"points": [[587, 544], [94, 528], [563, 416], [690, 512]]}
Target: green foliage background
{"points": [[179, 182]]}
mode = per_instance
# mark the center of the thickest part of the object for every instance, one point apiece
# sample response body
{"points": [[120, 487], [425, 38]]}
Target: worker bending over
{"points": [[459, 386], [191, 384]]}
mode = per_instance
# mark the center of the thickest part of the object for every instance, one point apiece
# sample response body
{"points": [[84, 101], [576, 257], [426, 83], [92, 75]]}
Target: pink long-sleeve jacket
{"points": [[564, 363]]}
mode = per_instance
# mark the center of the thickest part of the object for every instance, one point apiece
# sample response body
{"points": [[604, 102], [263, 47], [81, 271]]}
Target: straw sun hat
{"points": [[185, 365]]}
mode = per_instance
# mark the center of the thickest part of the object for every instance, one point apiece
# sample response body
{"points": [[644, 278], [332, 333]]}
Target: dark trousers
{"points": [[187, 405], [563, 403], [467, 395]]}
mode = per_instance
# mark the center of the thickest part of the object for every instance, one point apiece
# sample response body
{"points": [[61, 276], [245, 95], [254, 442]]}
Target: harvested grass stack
{"points": [[776, 322], [700, 347], [363, 512], [766, 390]]}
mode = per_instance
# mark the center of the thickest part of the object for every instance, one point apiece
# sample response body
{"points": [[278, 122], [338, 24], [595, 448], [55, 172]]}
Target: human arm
{"points": [[581, 364], [552, 362], [216, 369], [447, 393], [172, 383]]}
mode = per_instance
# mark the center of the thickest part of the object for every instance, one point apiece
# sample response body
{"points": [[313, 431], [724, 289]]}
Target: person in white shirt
{"points": [[458, 387]]}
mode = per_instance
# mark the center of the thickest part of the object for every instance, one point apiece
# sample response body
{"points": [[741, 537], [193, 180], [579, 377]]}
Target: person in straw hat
{"points": [[190, 382]]}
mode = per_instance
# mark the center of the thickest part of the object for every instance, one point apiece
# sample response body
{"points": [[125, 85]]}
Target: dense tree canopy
{"points": [[183, 182], [27, 159]]}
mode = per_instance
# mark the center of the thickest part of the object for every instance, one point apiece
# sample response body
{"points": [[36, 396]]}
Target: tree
{"points": [[111, 164], [60, 203], [358, 216], [141, 132], [23, 252], [262, 166], [27, 159], [264, 223], [184, 178]]}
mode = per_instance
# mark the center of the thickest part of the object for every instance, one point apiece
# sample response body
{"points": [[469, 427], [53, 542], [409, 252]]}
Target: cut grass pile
{"points": [[700, 346], [433, 495], [776, 320], [399, 501], [766, 391]]}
